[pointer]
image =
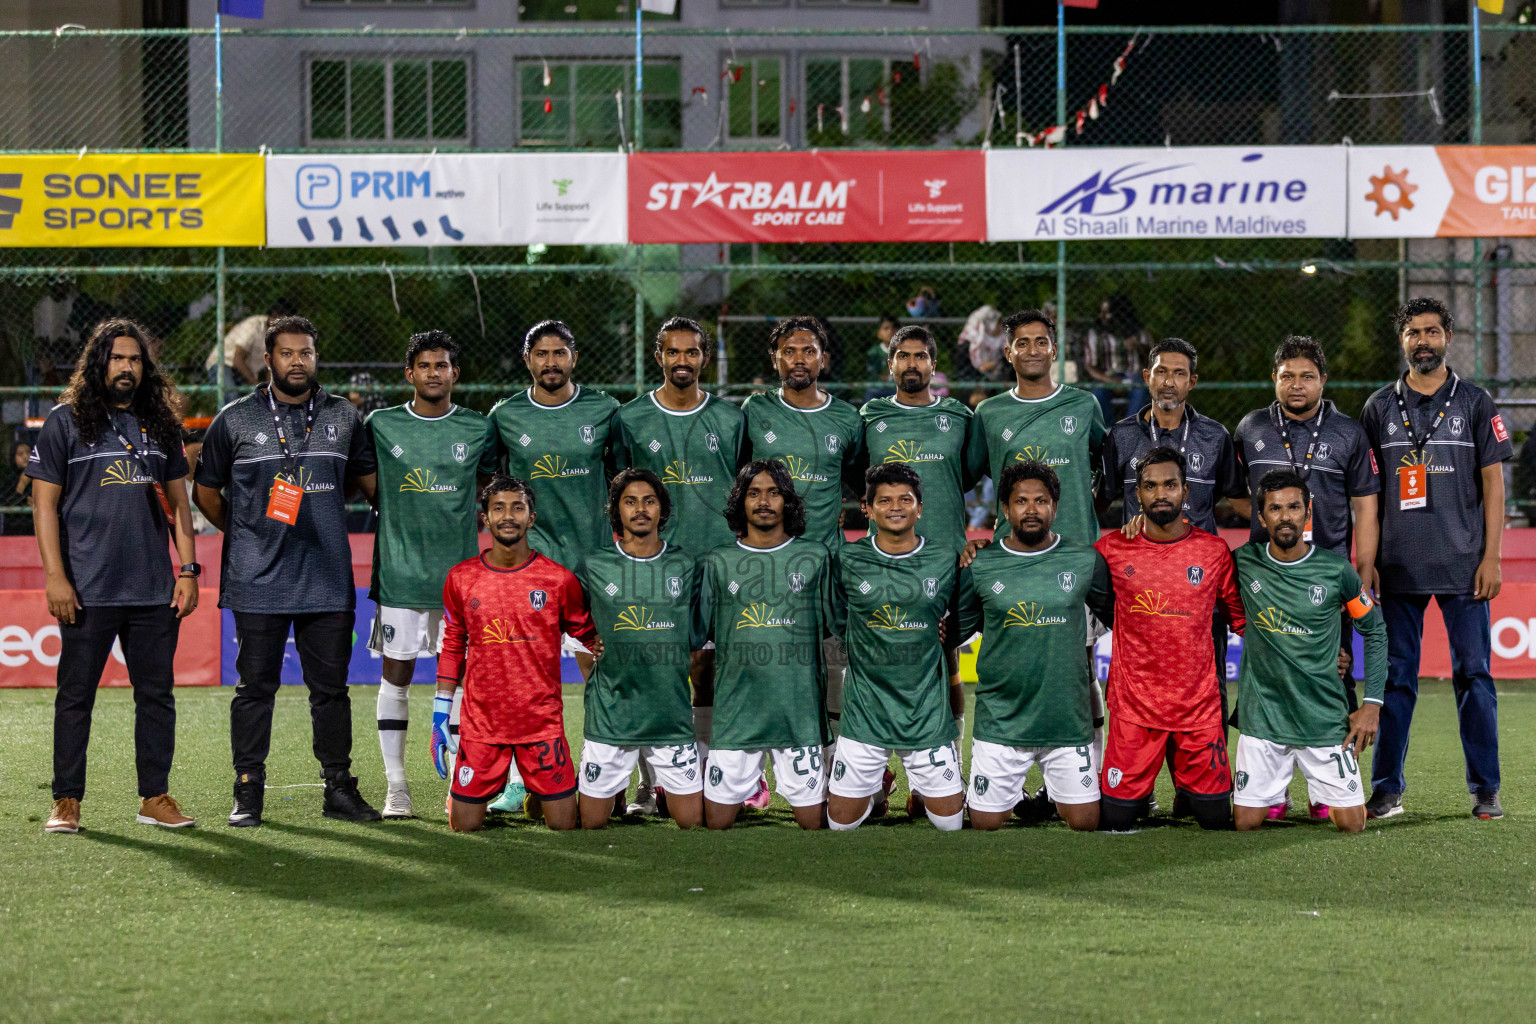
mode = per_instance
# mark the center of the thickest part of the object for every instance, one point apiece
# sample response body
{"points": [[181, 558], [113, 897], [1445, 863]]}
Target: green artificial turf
{"points": [[1425, 917]]}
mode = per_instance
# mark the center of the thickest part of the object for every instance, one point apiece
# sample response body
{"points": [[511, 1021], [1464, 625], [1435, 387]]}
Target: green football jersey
{"points": [[647, 612], [1288, 683], [930, 439], [820, 447], [695, 453], [1065, 430], [561, 451], [768, 610], [888, 610], [427, 499], [1033, 687]]}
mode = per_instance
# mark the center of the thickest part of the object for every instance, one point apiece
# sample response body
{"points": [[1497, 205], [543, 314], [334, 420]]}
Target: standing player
{"points": [[693, 441], [1041, 421], [1295, 710], [1162, 675], [555, 435], [893, 592], [1029, 594], [506, 610], [431, 454], [644, 597], [1302, 432], [767, 600]]}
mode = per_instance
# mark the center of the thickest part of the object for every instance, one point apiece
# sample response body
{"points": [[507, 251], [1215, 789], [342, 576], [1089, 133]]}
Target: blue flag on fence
{"points": [[241, 8]]}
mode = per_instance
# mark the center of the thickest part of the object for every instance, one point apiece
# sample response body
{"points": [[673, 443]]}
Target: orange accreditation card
{"points": [[284, 503]]}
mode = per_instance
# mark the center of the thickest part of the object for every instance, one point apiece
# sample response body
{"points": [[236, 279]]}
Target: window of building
{"points": [[388, 99], [754, 98], [573, 105], [586, 10], [858, 101]]}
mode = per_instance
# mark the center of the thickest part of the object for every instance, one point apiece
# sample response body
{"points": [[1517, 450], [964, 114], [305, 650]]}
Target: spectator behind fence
{"points": [[983, 339], [1112, 357], [16, 489], [240, 358]]}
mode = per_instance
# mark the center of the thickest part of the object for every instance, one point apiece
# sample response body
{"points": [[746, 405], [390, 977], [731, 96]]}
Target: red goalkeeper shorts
{"points": [[480, 773], [1133, 754]]}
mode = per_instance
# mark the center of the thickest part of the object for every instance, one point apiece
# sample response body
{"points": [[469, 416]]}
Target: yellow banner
{"points": [[144, 200]]}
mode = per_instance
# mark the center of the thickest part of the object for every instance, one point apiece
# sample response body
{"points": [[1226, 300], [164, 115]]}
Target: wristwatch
{"points": [[192, 570]]}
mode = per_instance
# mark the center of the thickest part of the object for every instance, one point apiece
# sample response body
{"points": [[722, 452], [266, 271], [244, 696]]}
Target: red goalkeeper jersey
{"points": [[505, 624], [1162, 672]]}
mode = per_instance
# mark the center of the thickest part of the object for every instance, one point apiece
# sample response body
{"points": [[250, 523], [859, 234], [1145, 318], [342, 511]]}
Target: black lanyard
{"points": [[1402, 408], [291, 458], [1283, 426], [141, 454], [1183, 435]]}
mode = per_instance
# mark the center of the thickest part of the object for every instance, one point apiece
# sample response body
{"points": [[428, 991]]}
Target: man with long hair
{"points": [[109, 492]]}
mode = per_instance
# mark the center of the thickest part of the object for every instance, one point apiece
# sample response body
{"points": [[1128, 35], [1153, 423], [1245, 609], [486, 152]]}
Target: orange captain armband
{"points": [[1360, 606]]}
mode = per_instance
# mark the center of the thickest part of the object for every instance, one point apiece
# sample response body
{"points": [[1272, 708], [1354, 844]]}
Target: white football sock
{"points": [[837, 826], [946, 822], [703, 727], [393, 714]]}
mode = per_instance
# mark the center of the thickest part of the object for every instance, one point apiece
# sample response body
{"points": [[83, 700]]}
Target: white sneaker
{"points": [[644, 802], [397, 801]]}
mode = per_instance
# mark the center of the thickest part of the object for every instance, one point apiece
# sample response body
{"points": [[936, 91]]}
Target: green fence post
{"points": [[639, 321], [1061, 245]]}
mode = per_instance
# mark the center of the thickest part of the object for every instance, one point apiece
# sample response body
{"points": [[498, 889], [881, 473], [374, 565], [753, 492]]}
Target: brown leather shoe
{"points": [[65, 816], [163, 810]]}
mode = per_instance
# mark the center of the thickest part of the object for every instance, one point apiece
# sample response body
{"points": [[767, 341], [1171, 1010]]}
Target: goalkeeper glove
{"points": [[443, 747]]}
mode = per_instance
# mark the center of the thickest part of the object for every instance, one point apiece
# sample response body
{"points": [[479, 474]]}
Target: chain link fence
{"points": [[572, 89]]}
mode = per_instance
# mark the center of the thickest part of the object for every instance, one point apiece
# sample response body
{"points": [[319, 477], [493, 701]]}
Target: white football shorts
{"points": [[997, 774], [799, 776], [858, 769], [1263, 771], [605, 768], [406, 634]]}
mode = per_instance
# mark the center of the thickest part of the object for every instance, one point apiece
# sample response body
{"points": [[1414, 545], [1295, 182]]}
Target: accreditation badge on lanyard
{"points": [[1413, 480], [288, 494], [1305, 469], [141, 456]]}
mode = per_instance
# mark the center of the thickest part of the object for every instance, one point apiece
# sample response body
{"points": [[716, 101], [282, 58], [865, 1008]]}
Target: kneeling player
{"points": [[505, 612], [1162, 677], [1029, 594], [766, 599], [893, 591], [644, 598], [1295, 709]]}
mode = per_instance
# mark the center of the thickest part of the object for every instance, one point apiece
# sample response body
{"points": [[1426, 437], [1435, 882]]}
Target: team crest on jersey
{"points": [[1241, 778], [1457, 425], [715, 775], [460, 451], [942, 419], [537, 599], [712, 442], [796, 582], [831, 442], [838, 770], [1068, 580], [1196, 573], [1322, 451], [466, 775], [931, 586], [1069, 425], [588, 436], [593, 771], [389, 634], [675, 586], [1196, 461], [1318, 593], [330, 431], [981, 782], [1114, 775]]}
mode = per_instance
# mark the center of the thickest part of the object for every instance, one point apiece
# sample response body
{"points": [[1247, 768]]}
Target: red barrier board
{"points": [[835, 196], [29, 643]]}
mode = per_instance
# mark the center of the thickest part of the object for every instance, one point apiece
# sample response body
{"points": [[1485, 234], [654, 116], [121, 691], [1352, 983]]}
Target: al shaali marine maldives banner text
{"points": [[116, 200], [322, 200]]}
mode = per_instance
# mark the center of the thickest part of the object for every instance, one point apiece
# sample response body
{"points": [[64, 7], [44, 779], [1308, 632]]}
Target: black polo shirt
{"points": [[113, 536], [1435, 550], [1341, 467], [269, 566], [1210, 466]]}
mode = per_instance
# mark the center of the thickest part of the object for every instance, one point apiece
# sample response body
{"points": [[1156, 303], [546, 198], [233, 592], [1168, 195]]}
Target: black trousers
{"points": [[324, 642], [148, 634]]}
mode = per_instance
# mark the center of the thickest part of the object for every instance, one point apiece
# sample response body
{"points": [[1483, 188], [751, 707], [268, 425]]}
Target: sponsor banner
{"points": [[29, 644], [1442, 191], [838, 196], [365, 668], [468, 199], [148, 200], [1200, 192]]}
